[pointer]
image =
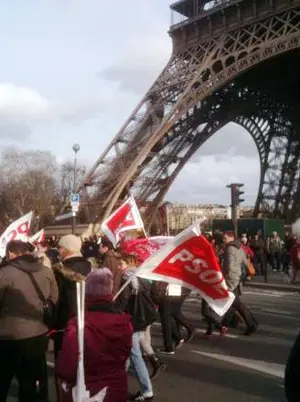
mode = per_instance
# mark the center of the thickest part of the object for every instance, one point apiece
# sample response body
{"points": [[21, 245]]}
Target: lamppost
{"points": [[76, 149]]}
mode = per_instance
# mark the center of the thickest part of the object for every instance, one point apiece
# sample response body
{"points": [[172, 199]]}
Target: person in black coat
{"points": [[72, 268], [292, 373]]}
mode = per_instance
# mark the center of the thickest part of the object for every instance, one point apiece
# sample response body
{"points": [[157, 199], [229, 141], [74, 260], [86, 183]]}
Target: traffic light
{"points": [[236, 194], [235, 202]]}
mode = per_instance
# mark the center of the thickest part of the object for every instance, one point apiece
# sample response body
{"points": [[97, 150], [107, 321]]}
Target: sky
{"points": [[72, 71]]}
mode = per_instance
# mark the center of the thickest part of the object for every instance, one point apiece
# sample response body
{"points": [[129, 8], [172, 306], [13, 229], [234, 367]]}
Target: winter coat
{"points": [[112, 261], [234, 257], [136, 300], [274, 245], [67, 274], [107, 346], [295, 256], [258, 245], [292, 373], [21, 310]]}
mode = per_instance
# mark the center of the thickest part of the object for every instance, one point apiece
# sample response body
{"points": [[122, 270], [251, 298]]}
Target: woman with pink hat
{"points": [[108, 335]]}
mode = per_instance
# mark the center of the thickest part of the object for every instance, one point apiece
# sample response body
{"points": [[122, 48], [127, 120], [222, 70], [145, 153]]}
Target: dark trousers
{"points": [[275, 260], [240, 307], [260, 263], [171, 319], [26, 360], [210, 316]]}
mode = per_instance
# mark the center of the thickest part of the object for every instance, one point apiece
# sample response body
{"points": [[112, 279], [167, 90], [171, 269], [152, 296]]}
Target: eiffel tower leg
{"points": [[274, 172], [256, 127], [195, 72]]}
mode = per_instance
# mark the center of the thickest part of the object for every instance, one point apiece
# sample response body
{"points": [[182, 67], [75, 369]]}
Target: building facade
{"points": [[180, 216]]}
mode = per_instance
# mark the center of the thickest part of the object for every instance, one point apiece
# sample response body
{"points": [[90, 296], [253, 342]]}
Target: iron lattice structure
{"points": [[236, 61]]}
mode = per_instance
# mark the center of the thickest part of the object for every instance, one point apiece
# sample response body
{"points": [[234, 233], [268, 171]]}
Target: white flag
{"points": [[17, 230], [37, 237]]}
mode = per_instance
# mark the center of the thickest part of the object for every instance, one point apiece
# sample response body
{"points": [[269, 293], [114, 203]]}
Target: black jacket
{"points": [[137, 301], [292, 374], [67, 274]]}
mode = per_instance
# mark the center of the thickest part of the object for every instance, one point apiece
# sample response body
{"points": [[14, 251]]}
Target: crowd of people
{"points": [[266, 254], [38, 303]]}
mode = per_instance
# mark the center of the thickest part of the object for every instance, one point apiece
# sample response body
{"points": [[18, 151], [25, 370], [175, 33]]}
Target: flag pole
{"points": [[135, 205], [144, 231], [167, 219], [80, 392], [122, 288]]}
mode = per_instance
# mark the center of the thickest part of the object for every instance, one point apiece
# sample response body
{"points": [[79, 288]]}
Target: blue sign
{"points": [[75, 198]]}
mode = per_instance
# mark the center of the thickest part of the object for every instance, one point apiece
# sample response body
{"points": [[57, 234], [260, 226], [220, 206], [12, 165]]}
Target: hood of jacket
{"points": [[74, 269], [235, 243], [79, 265], [26, 263]]}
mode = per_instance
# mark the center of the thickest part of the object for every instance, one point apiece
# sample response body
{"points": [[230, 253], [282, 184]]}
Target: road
{"points": [[235, 369]]}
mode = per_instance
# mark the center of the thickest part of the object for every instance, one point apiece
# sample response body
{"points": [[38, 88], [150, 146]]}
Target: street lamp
{"points": [[76, 149]]}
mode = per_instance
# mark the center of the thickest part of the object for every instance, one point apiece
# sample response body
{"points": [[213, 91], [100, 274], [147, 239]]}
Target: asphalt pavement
{"points": [[231, 369], [275, 281]]}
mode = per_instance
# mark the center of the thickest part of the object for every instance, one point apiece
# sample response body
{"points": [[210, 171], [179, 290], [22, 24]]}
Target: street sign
{"points": [[64, 216], [75, 198]]}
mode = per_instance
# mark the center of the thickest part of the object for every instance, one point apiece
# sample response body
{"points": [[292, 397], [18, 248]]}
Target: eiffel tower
{"points": [[232, 61]]}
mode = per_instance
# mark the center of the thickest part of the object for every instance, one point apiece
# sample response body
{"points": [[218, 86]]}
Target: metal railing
{"points": [[200, 9]]}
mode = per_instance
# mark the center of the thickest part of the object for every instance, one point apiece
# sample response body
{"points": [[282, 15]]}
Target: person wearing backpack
{"points": [[28, 292]]}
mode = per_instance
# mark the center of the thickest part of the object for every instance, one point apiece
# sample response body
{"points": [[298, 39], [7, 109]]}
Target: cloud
{"points": [[22, 109], [16, 101], [141, 61], [205, 181], [230, 140]]}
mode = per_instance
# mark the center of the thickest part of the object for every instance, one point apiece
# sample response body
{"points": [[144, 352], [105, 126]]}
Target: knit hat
{"points": [[71, 243], [99, 282]]}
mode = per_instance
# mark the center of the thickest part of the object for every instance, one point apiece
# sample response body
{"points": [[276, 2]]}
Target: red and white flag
{"points": [[189, 260], [126, 217], [37, 238], [17, 230]]}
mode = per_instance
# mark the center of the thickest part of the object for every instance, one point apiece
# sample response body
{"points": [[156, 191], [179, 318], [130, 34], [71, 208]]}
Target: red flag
{"points": [[190, 261], [144, 248], [126, 217]]}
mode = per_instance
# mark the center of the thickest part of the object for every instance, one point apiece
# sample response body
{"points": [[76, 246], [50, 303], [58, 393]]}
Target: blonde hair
{"points": [[94, 263], [44, 259]]}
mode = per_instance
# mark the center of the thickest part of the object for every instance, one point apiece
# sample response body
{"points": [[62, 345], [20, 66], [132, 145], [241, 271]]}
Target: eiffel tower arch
{"points": [[232, 60]]}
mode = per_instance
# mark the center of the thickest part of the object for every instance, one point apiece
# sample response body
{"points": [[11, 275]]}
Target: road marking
{"points": [[274, 311], [50, 364], [274, 293], [193, 300], [270, 294], [273, 369]]}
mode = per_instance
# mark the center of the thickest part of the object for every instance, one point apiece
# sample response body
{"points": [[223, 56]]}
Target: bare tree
{"points": [[32, 180], [28, 182], [66, 182]]}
